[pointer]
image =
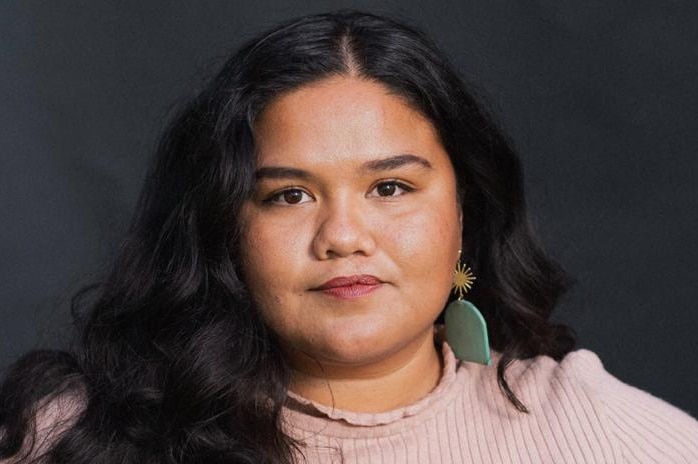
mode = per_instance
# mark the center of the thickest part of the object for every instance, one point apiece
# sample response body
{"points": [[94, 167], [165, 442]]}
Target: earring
{"points": [[466, 329]]}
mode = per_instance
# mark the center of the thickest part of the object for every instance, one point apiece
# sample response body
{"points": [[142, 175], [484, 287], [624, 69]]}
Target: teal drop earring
{"points": [[466, 329]]}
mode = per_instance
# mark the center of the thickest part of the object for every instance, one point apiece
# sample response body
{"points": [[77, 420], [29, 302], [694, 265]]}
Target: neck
{"points": [[395, 381]]}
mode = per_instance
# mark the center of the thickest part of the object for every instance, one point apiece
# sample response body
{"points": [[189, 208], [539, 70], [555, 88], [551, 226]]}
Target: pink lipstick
{"points": [[350, 287]]}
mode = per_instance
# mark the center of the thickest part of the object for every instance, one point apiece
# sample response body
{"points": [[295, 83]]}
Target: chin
{"points": [[357, 354], [358, 346]]}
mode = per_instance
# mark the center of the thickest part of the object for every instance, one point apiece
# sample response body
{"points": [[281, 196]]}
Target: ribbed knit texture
{"points": [[579, 413]]}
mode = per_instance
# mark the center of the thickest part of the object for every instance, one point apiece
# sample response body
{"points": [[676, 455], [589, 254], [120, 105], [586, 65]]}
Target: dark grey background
{"points": [[600, 98]]}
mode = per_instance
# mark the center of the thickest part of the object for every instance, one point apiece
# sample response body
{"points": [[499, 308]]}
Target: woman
{"points": [[293, 247]]}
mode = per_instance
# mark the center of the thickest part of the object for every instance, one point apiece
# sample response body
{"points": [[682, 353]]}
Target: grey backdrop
{"points": [[600, 98]]}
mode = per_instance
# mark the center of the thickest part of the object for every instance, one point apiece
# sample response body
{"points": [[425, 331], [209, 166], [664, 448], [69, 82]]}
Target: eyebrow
{"points": [[280, 172], [395, 162], [385, 164]]}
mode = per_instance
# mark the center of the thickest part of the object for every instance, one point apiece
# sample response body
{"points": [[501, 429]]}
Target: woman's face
{"points": [[353, 231]]}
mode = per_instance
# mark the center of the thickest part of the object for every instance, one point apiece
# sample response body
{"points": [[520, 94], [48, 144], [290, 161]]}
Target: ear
{"points": [[460, 219], [460, 231]]}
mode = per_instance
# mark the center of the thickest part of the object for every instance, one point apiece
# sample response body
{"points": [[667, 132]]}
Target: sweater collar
{"points": [[299, 408]]}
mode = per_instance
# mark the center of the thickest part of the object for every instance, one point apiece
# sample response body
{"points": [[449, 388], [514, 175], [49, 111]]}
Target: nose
{"points": [[343, 231]]}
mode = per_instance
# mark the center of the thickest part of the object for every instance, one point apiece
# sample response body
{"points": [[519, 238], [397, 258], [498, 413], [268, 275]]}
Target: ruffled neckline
{"points": [[301, 410]]}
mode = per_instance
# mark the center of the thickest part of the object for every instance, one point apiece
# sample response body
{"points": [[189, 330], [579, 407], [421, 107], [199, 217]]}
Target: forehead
{"points": [[343, 118]]}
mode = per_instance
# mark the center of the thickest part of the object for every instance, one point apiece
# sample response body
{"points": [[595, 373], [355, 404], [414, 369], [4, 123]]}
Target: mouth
{"points": [[350, 287]]}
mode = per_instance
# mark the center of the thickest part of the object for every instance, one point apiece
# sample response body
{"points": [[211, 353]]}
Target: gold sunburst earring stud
{"points": [[466, 329], [463, 280]]}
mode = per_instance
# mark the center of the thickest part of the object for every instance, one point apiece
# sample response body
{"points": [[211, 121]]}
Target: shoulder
{"points": [[42, 395], [578, 390], [56, 416], [51, 419]]}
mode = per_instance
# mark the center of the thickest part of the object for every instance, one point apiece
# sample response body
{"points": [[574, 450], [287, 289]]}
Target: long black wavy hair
{"points": [[173, 364]]}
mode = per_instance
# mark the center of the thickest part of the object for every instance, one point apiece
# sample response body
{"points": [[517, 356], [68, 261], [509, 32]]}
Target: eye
{"points": [[292, 196], [391, 188]]}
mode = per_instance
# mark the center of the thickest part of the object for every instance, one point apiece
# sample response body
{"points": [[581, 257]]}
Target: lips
{"points": [[350, 286], [349, 281]]}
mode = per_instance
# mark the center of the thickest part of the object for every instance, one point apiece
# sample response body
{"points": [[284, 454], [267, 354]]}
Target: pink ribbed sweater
{"points": [[579, 413]]}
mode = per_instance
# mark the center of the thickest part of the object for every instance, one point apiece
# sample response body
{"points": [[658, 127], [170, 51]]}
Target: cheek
{"points": [[262, 263], [269, 250], [432, 235], [425, 249], [264, 279], [273, 254]]}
